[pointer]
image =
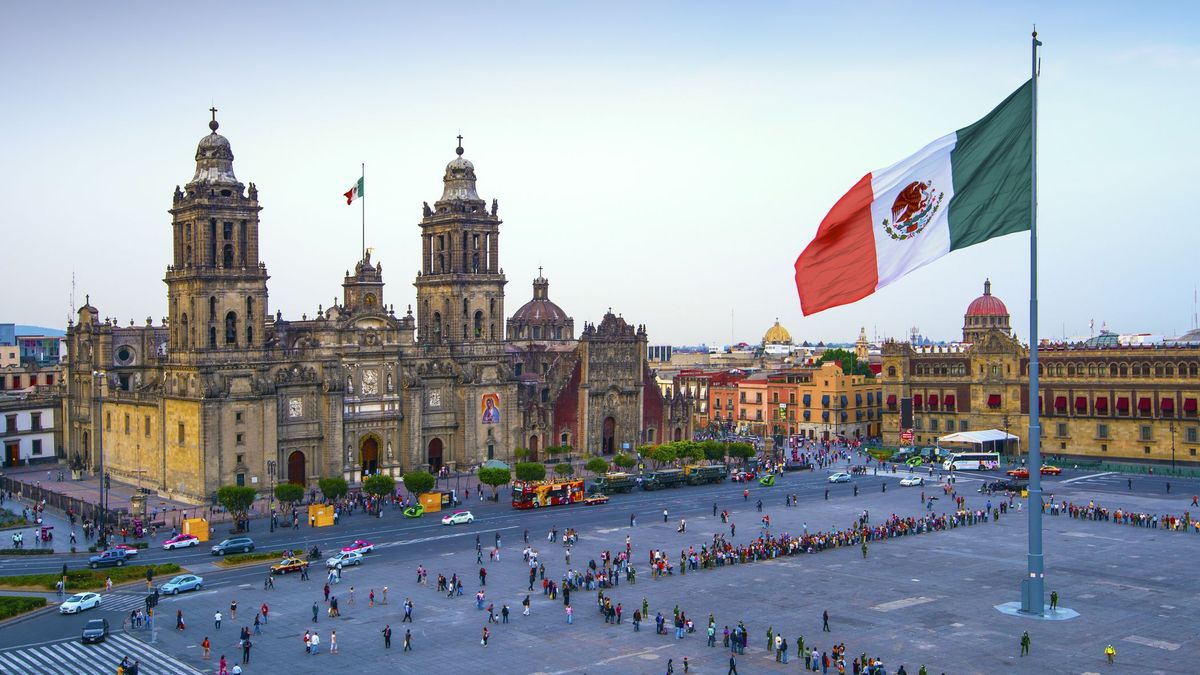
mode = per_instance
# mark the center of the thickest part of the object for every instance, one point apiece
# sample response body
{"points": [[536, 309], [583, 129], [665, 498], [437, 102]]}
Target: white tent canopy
{"points": [[981, 438]]}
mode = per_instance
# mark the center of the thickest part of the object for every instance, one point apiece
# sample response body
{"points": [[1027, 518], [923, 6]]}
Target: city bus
{"points": [[536, 494], [972, 461]]}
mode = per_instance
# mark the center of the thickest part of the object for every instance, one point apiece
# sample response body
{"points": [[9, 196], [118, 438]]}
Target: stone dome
{"points": [[540, 318], [987, 304], [777, 335], [539, 309], [214, 159]]}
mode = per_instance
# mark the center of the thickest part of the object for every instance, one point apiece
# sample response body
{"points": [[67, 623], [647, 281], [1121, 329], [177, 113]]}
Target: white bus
{"points": [[972, 461]]}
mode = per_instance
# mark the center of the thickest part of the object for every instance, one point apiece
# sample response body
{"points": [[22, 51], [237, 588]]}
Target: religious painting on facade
{"points": [[490, 407]]}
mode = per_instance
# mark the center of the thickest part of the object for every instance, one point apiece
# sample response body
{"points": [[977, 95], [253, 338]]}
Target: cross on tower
{"points": [[213, 110], [459, 149]]}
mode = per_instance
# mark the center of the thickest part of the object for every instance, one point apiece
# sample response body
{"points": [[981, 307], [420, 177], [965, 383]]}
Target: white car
{"points": [[840, 477], [181, 541], [912, 481], [458, 517], [343, 559], [79, 602]]}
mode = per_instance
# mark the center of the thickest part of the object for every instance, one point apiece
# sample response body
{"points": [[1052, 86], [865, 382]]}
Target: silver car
{"points": [[183, 582]]}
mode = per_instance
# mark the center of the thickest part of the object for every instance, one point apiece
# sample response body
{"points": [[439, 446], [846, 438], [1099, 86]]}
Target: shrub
{"points": [[11, 606], [242, 558], [623, 460], [26, 551], [87, 579]]}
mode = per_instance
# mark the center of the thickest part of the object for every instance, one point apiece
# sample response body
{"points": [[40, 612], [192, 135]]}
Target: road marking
{"points": [[1089, 476], [1150, 642], [645, 654], [902, 603], [69, 657]]}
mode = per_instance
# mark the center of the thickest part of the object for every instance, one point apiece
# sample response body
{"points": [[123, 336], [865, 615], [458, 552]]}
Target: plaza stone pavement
{"points": [[924, 599]]}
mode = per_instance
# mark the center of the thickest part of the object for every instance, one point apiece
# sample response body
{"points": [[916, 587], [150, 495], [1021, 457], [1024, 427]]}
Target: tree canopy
{"points": [[596, 465], [237, 500], [333, 488], [417, 482], [379, 484], [564, 469], [848, 360], [531, 471], [289, 493], [623, 460], [494, 477]]}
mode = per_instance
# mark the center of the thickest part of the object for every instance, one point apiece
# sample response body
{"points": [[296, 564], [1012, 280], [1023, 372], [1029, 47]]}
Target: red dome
{"points": [[987, 304]]}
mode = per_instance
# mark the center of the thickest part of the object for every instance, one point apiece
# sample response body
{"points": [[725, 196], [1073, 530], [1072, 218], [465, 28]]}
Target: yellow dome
{"points": [[777, 335]]}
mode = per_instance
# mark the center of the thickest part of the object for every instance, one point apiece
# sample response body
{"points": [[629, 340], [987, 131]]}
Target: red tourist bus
{"points": [[536, 494]]}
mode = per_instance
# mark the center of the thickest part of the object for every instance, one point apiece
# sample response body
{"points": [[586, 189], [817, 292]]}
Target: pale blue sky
{"points": [[669, 160]]}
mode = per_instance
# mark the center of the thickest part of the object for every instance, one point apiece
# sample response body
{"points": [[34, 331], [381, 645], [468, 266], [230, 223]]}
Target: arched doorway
{"points": [[435, 455], [295, 468], [608, 437], [534, 446], [368, 455], [678, 434]]}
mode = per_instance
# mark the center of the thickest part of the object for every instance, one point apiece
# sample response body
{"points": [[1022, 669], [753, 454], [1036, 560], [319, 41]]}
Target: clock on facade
{"points": [[295, 407]]}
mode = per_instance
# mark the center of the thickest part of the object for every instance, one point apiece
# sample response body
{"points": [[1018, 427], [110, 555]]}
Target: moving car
{"points": [[458, 517], [596, 499], [915, 461], [95, 631], [767, 480], [1004, 486], [234, 545], [414, 511], [129, 550], [1049, 470], [359, 546], [740, 476], [288, 565], [114, 556], [1021, 473], [181, 541], [79, 602], [344, 558], [912, 481], [183, 582], [839, 477]]}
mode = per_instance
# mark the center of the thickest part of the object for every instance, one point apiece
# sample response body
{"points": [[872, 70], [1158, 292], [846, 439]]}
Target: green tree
{"points": [[417, 482], [663, 454], [742, 451], [494, 477], [644, 450], [521, 454], [623, 460], [553, 450], [379, 484], [848, 361], [531, 471], [289, 493], [237, 500], [713, 450], [689, 450], [597, 465], [333, 488], [564, 469]]}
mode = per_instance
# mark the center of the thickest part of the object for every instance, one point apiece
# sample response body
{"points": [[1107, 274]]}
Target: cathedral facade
{"points": [[223, 391]]}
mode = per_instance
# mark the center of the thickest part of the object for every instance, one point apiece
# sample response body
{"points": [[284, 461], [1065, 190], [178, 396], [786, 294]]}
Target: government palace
{"points": [[1099, 399], [226, 391]]}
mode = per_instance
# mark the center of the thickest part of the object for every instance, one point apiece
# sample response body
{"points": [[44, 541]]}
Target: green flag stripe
{"points": [[360, 187], [992, 166]]}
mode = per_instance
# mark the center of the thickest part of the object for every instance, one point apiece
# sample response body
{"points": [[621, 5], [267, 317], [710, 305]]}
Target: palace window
{"points": [[1061, 429], [1191, 435], [240, 439], [1146, 433], [182, 435], [1102, 431], [147, 426]]}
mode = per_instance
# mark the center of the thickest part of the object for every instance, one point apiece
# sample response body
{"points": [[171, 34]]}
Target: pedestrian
{"points": [[732, 666], [825, 621], [1110, 653], [316, 642], [314, 612], [570, 616], [327, 592], [1053, 601], [233, 610], [504, 614], [206, 646], [246, 650], [371, 598], [632, 520], [525, 604], [179, 619], [264, 610], [1025, 643], [385, 589], [407, 640], [257, 624], [217, 620], [670, 666], [486, 635], [664, 515], [408, 609], [783, 650], [387, 638], [333, 642], [222, 667]]}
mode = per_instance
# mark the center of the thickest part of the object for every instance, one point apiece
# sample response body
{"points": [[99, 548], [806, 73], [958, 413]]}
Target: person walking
{"points": [[1025, 643], [179, 619], [333, 642], [233, 610], [504, 614], [570, 615], [486, 635], [1110, 653], [246, 650], [217, 620], [387, 637], [732, 666], [1053, 601], [408, 609], [316, 642], [632, 520], [407, 640], [525, 605], [664, 515], [206, 646], [825, 621], [257, 624], [314, 612]]}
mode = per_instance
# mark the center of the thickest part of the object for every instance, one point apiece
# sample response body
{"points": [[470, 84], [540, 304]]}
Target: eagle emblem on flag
{"points": [[912, 210]]}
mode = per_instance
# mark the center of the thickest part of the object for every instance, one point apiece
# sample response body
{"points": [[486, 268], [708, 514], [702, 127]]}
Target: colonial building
{"points": [[223, 391], [1100, 399]]}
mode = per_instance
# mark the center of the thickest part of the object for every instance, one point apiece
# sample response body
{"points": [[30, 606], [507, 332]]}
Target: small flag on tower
{"points": [[355, 192]]}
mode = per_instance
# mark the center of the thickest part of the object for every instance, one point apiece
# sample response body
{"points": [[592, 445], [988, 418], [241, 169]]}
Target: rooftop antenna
{"points": [[71, 309]]}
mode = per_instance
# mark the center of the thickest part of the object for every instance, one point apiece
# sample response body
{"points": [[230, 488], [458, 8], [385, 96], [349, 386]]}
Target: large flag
{"points": [[354, 192], [963, 188]]}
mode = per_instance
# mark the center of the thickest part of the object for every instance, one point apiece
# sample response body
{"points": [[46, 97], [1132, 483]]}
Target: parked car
{"points": [[1004, 485], [234, 545], [359, 546], [183, 582], [289, 565], [79, 602], [95, 631], [111, 557], [458, 517], [1049, 470], [343, 559], [596, 499], [839, 477], [181, 541], [129, 550], [912, 481]]}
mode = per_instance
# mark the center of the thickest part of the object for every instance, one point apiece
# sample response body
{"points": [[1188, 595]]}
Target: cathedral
{"points": [[225, 392]]}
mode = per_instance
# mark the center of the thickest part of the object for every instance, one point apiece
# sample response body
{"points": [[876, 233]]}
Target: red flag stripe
{"points": [[838, 267]]}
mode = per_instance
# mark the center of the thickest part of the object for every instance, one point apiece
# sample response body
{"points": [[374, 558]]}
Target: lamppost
{"points": [[1171, 428], [98, 388], [1006, 443], [271, 499]]}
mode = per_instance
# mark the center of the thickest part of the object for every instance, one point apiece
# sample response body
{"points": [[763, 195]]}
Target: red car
{"points": [[743, 476], [359, 546], [129, 550], [1023, 473]]}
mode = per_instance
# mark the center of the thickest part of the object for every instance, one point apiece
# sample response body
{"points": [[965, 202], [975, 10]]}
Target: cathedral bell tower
{"points": [[460, 288], [216, 286]]}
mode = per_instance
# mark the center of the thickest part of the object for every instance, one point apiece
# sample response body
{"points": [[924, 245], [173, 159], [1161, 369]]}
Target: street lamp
{"points": [[97, 381], [1171, 427], [271, 498], [1006, 443]]}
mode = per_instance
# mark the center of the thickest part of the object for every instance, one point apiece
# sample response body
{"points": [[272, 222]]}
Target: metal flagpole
{"points": [[1033, 588], [363, 198]]}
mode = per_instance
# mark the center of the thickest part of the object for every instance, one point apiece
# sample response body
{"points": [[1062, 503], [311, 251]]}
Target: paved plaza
{"points": [[925, 599]]}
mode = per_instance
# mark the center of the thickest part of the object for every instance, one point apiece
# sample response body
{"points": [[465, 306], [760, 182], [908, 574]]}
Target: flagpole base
{"points": [[1058, 614]]}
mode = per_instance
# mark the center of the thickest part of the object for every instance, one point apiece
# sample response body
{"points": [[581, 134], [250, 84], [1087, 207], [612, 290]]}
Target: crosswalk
{"points": [[122, 602], [70, 657]]}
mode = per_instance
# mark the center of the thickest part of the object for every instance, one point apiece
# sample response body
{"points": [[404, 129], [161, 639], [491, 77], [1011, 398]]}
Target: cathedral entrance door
{"points": [[368, 456], [435, 455], [608, 438], [295, 468], [533, 448]]}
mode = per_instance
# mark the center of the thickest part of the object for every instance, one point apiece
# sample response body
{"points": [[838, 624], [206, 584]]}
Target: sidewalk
{"points": [[87, 490]]}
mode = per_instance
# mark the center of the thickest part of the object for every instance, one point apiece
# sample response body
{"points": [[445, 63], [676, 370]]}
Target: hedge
{"points": [[139, 545], [26, 551], [242, 558], [88, 579], [12, 605]]}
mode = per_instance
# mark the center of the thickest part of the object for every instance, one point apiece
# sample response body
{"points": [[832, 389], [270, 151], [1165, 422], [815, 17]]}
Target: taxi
{"points": [[359, 546], [596, 499], [129, 550], [180, 541], [288, 565]]}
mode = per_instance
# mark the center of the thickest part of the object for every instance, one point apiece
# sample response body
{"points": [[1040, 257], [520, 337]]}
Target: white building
{"points": [[29, 429]]}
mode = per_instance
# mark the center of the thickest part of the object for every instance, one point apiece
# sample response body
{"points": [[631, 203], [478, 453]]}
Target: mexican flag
{"points": [[355, 192], [964, 188]]}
